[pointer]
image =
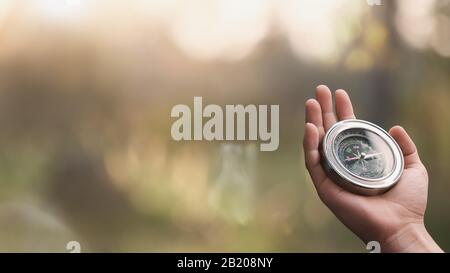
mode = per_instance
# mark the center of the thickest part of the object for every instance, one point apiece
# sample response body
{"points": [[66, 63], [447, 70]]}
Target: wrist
{"points": [[411, 238]]}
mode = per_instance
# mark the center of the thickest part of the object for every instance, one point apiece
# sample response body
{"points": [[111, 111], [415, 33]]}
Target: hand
{"points": [[396, 218]]}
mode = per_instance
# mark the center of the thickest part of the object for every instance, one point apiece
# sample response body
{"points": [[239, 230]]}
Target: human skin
{"points": [[396, 218]]}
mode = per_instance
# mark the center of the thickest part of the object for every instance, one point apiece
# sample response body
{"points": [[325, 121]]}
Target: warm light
{"points": [[159, 11], [5, 6], [422, 27], [313, 26], [415, 22], [208, 29], [58, 9]]}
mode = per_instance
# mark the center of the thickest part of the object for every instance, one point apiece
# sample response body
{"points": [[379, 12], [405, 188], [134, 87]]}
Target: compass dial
{"points": [[361, 157], [364, 154]]}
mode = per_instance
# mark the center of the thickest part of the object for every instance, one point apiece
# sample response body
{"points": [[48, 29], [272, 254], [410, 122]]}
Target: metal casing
{"points": [[347, 180]]}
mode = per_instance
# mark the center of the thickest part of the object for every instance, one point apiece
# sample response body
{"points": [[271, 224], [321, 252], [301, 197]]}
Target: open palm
{"points": [[386, 218]]}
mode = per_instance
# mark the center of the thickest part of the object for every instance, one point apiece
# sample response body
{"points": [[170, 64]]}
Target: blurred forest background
{"points": [[86, 89]]}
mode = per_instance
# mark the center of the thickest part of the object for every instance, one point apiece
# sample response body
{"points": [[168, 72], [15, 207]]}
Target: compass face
{"points": [[361, 157], [364, 154]]}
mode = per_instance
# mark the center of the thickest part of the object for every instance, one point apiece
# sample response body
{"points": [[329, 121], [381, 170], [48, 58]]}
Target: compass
{"points": [[361, 157]]}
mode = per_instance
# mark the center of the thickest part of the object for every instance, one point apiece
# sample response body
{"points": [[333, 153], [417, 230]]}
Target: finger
{"points": [[406, 145], [314, 115], [344, 108], [312, 154], [325, 99]]}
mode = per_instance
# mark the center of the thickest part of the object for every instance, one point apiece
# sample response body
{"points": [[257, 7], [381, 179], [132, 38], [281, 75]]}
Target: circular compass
{"points": [[361, 157]]}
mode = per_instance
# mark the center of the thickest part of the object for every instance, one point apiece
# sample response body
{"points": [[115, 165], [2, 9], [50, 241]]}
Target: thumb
{"points": [[406, 145]]}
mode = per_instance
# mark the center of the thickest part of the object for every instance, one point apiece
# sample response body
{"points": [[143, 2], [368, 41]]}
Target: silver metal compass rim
{"points": [[345, 178]]}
